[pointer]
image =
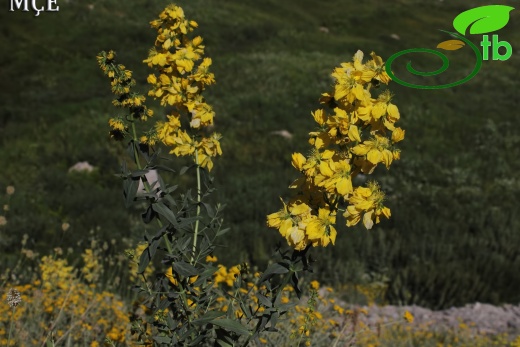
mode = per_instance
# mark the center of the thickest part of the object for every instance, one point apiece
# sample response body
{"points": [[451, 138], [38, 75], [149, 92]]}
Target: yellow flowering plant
{"points": [[190, 301], [355, 135]]}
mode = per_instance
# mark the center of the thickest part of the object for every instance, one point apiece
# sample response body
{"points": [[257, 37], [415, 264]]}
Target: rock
{"points": [[82, 166], [283, 133], [324, 29]]}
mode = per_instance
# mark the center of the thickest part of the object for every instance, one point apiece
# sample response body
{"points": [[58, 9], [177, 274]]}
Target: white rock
{"points": [[283, 133], [82, 166]]}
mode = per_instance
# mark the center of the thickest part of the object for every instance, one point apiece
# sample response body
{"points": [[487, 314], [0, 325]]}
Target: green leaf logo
{"points": [[483, 19]]}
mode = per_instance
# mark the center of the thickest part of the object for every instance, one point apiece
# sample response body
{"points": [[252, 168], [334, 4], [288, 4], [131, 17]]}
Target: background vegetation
{"points": [[455, 195]]}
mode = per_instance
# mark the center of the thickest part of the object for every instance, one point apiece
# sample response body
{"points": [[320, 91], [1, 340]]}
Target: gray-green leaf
{"points": [[231, 325]]}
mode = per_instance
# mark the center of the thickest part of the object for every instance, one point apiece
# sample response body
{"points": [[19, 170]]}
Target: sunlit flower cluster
{"points": [[182, 75], [356, 134]]}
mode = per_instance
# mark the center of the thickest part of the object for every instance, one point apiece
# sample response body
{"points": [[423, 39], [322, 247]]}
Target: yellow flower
{"points": [[397, 135], [232, 274], [335, 176], [368, 200], [221, 274], [376, 150], [319, 116], [315, 285], [117, 124], [91, 270], [211, 259], [169, 275], [408, 317], [321, 231], [298, 160], [378, 66]]}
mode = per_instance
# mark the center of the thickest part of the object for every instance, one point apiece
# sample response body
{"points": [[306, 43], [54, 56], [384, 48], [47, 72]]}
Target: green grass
{"points": [[453, 195]]}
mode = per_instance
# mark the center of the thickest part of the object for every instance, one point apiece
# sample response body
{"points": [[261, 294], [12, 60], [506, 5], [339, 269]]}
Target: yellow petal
{"points": [[374, 156], [367, 220], [285, 227], [359, 92], [344, 186], [298, 160], [327, 154], [393, 112], [353, 133], [397, 135], [296, 234], [361, 149], [379, 110], [319, 117], [313, 230], [325, 169], [151, 79], [387, 158]]}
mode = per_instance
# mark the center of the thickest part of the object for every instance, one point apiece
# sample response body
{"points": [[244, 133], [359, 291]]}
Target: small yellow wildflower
{"points": [[408, 317], [211, 259]]}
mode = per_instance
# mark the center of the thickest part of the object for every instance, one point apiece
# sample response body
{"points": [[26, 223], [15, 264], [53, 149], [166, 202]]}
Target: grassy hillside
{"points": [[453, 236]]}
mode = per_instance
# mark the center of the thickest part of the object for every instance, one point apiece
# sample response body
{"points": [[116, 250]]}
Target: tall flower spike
{"points": [[182, 74]]}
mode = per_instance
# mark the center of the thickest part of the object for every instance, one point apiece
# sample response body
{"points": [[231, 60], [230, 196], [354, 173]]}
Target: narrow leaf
{"points": [[130, 190], [263, 300], [271, 270], [184, 169], [149, 215], [209, 209], [231, 325], [295, 285], [222, 231], [165, 212], [223, 343], [139, 173], [162, 168], [208, 317], [184, 269], [144, 260]]}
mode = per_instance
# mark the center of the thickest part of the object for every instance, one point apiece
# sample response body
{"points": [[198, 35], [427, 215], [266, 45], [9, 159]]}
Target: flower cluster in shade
{"points": [[182, 74], [122, 82], [355, 133]]}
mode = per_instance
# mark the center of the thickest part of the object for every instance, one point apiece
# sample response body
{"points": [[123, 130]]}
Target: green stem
{"points": [[11, 328], [194, 248], [146, 184], [275, 302]]}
